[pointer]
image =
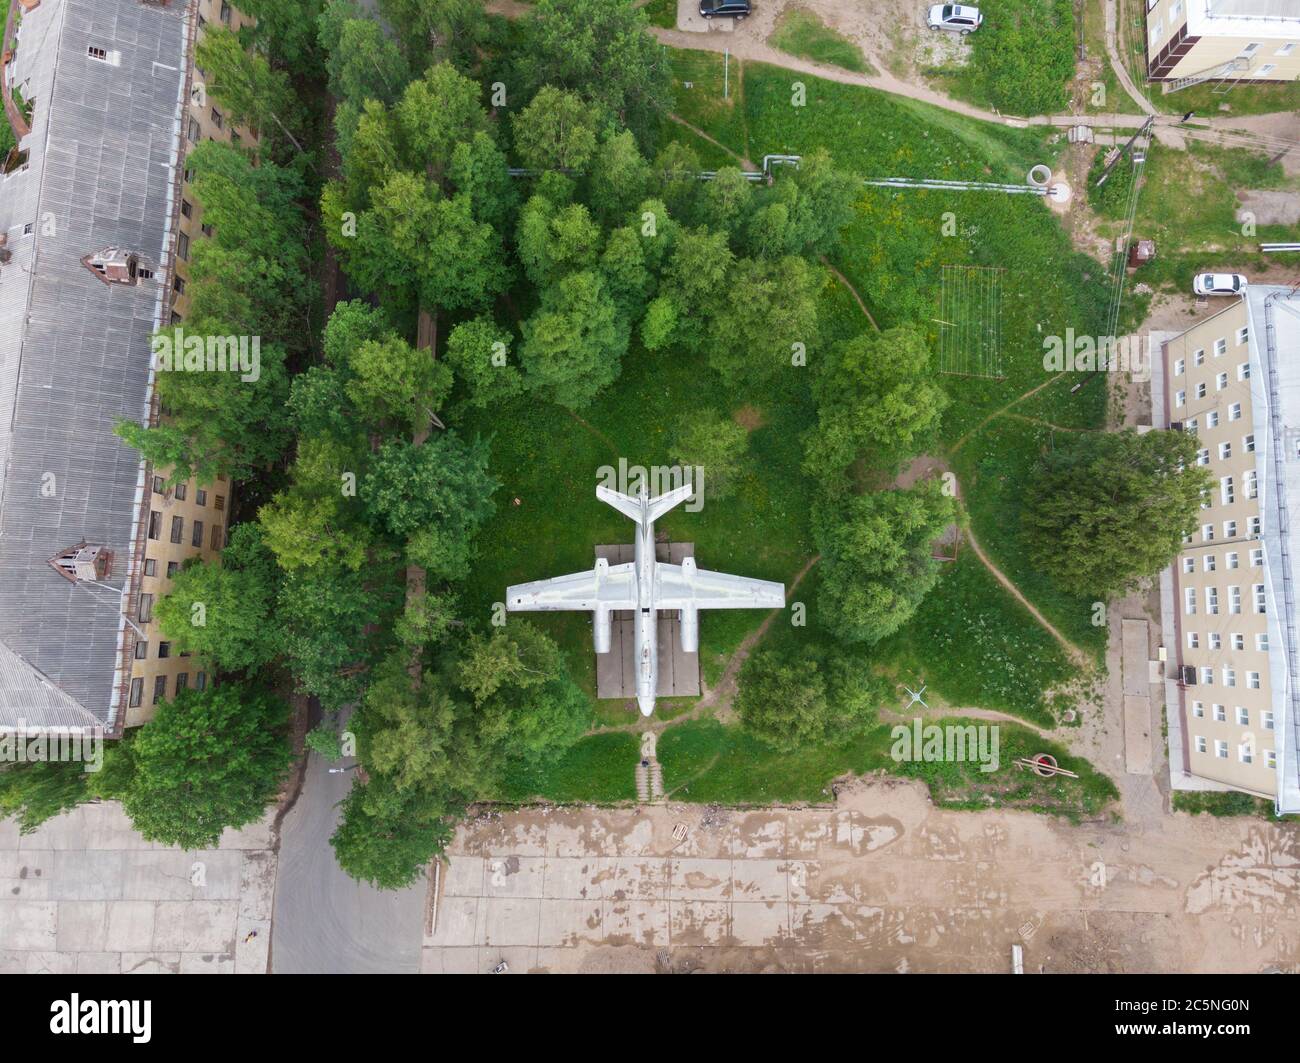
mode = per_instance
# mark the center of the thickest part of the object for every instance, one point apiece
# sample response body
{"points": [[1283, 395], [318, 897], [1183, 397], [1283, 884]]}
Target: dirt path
{"points": [[852, 291], [1117, 65], [1000, 411], [746, 163], [906, 716]]}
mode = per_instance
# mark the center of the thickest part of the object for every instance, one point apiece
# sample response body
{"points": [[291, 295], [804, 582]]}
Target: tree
{"points": [[477, 351], [696, 268], [556, 131], [437, 495], [225, 611], [603, 51], [714, 443], [620, 177], [877, 558], [876, 399], [768, 320], [1105, 511], [793, 697], [393, 381], [315, 520], [573, 346], [210, 759], [362, 61], [527, 706], [443, 29], [728, 198], [386, 837], [242, 81], [554, 241], [285, 29]]}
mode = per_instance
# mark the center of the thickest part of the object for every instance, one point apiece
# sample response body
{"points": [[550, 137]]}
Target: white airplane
{"points": [[645, 586]]}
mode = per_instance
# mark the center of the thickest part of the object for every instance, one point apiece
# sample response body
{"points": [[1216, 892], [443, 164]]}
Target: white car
{"points": [[1219, 284], [957, 17]]}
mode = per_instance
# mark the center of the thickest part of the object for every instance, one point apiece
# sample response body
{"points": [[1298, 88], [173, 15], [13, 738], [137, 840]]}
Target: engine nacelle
{"points": [[690, 622], [600, 623]]}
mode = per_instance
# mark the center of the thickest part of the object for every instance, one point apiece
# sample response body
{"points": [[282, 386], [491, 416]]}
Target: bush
{"points": [[1023, 55]]}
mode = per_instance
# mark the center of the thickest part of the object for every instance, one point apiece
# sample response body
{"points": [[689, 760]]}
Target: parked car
{"points": [[957, 17], [1219, 284], [736, 9]]}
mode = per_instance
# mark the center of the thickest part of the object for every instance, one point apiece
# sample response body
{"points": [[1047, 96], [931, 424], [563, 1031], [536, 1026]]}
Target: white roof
{"points": [[1259, 20]]}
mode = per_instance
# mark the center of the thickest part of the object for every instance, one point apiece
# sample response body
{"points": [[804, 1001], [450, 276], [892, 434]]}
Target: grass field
{"points": [[971, 641], [800, 32], [707, 763]]}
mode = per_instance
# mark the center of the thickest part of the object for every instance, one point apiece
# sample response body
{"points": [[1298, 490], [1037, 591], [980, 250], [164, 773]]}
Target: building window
{"points": [[150, 567], [1207, 533], [1243, 371], [1220, 713], [1245, 753], [1270, 758], [182, 681], [1234, 599], [196, 538], [1203, 456], [1198, 709], [1226, 493], [181, 492], [1256, 557], [1220, 346], [1252, 680], [1234, 412], [1229, 676], [200, 497], [1201, 390], [178, 527], [1212, 600], [1229, 529], [193, 133], [1189, 596], [1259, 598], [1286, 49], [1212, 419], [159, 688], [172, 568], [1193, 640], [1248, 443], [1180, 367], [1180, 398], [1267, 717], [201, 681], [1252, 484], [1267, 69], [183, 246], [187, 208], [141, 649], [1216, 640], [218, 119], [145, 612], [1200, 743], [95, 52], [1261, 641], [1253, 526], [225, 12], [219, 503], [1189, 565], [178, 284], [216, 536], [1198, 356], [1231, 558], [1208, 563], [155, 523], [1207, 676], [137, 692], [159, 485], [1225, 451], [164, 650], [1221, 748], [1220, 381]]}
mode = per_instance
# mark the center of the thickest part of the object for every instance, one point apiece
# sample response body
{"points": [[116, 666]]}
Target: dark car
{"points": [[736, 9]]}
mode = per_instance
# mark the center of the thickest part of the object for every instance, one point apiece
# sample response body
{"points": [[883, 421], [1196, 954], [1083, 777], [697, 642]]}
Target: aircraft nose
{"points": [[647, 703]]}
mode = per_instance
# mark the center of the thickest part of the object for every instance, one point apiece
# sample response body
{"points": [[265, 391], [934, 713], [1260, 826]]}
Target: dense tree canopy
{"points": [[1107, 510]]}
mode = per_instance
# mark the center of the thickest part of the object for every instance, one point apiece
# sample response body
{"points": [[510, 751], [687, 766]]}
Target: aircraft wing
{"points": [[688, 587], [603, 587]]}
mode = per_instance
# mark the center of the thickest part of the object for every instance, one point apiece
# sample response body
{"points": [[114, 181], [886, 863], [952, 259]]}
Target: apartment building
{"points": [[1228, 635], [1226, 40], [92, 215]]}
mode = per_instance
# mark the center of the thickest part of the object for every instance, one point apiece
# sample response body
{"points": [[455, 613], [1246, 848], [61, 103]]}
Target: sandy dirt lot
{"points": [[883, 882]]}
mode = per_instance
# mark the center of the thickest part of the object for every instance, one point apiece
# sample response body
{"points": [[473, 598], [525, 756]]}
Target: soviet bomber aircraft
{"points": [[645, 586]]}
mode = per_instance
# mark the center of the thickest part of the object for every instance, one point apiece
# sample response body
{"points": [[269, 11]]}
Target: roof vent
{"points": [[84, 563], [114, 265]]}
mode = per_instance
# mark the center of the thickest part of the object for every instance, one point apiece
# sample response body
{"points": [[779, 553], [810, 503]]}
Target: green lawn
{"points": [[800, 32], [600, 769], [706, 762]]}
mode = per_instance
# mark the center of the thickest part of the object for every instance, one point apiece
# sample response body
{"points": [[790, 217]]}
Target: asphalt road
{"points": [[324, 922]]}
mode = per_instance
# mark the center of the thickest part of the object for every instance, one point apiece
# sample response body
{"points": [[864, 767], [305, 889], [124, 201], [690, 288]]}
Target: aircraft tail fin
{"points": [[641, 509], [627, 505]]}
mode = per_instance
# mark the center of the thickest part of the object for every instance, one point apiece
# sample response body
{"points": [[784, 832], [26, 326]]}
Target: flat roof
{"points": [[1274, 315], [1261, 19]]}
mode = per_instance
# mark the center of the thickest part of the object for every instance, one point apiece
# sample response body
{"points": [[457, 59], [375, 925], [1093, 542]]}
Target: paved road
{"points": [[324, 922]]}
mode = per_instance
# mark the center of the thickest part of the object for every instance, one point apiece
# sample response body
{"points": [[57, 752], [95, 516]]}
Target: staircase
{"points": [[649, 772], [1237, 66]]}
